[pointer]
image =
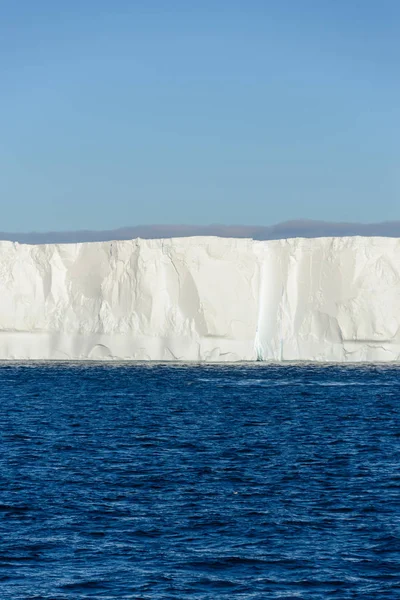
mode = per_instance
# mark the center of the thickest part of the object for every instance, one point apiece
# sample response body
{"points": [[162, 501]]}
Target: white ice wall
{"points": [[326, 299]]}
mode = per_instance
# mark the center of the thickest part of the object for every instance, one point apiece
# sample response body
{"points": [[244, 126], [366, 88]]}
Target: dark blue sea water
{"points": [[200, 482]]}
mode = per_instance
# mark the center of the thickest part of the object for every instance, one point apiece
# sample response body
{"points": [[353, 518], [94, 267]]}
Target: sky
{"points": [[126, 113]]}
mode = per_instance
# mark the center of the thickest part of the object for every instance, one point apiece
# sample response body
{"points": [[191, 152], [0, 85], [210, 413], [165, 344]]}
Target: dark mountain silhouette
{"points": [[288, 229]]}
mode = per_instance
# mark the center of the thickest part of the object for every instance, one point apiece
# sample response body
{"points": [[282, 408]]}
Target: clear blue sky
{"points": [[131, 112]]}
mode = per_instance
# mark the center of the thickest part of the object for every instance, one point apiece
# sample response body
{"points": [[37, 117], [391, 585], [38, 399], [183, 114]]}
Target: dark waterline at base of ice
{"points": [[156, 481]]}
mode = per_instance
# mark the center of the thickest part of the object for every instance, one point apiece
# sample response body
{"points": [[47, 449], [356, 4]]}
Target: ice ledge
{"points": [[202, 299]]}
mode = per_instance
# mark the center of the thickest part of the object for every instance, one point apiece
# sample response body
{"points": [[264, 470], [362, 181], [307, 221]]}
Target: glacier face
{"points": [[212, 299]]}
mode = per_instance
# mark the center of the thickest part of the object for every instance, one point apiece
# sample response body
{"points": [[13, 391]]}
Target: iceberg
{"points": [[202, 299]]}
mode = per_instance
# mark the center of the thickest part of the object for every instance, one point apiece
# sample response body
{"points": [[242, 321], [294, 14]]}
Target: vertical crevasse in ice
{"points": [[258, 341], [269, 334]]}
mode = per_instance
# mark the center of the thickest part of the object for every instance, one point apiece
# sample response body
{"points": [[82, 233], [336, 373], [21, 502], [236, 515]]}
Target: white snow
{"points": [[210, 299]]}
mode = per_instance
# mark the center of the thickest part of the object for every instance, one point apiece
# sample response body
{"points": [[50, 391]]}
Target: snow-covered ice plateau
{"points": [[202, 299]]}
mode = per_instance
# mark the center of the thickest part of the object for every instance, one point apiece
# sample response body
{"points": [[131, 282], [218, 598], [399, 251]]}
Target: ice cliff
{"points": [[212, 299]]}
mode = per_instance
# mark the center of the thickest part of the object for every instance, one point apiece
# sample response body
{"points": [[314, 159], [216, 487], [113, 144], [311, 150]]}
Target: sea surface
{"points": [[202, 482]]}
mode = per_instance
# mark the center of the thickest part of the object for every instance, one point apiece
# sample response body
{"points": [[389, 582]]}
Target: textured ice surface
{"points": [[326, 299]]}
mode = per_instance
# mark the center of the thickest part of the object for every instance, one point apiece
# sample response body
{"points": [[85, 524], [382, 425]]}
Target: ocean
{"points": [[173, 481]]}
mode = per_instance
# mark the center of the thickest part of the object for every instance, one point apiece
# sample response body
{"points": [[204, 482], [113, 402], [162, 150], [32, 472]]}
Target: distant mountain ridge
{"points": [[287, 229]]}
